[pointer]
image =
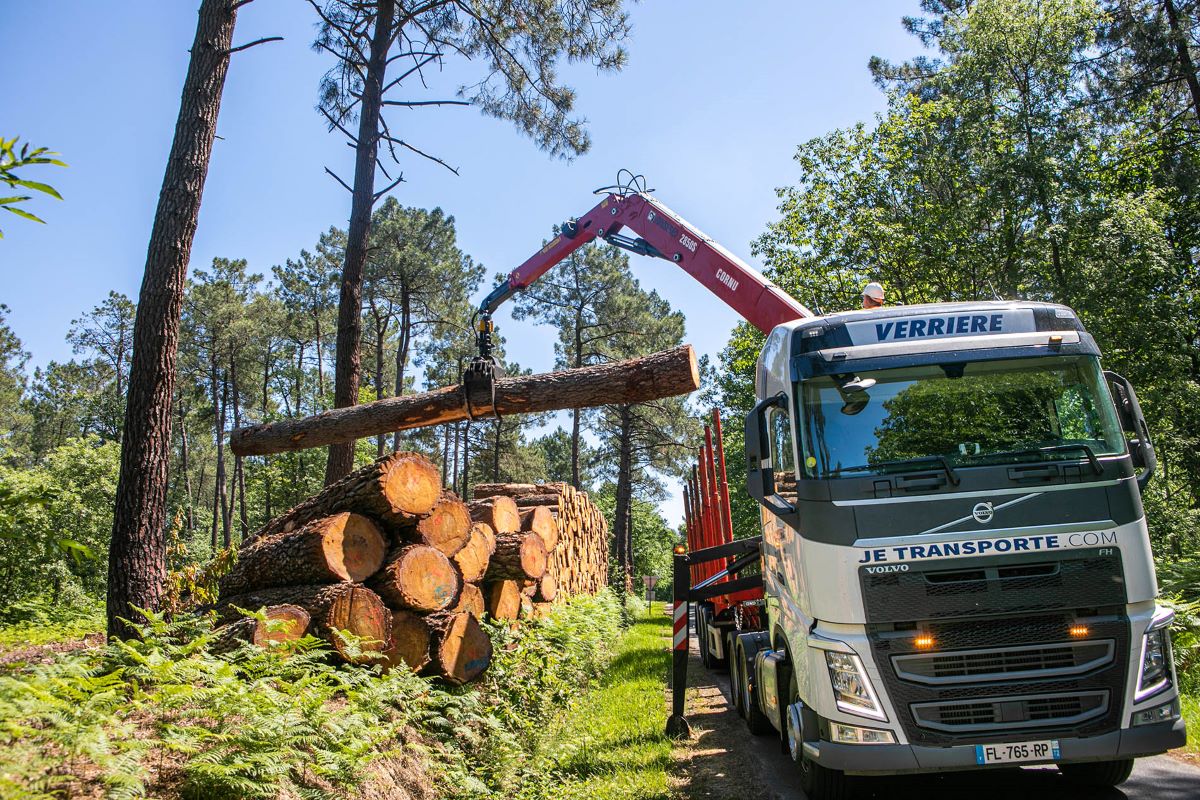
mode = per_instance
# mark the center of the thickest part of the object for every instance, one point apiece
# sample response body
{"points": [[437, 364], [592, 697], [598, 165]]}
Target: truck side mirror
{"points": [[1129, 411], [760, 474]]}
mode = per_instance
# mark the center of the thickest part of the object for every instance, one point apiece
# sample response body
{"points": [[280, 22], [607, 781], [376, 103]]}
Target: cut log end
{"points": [[500, 512], [447, 527], [473, 559], [354, 546], [410, 642], [504, 600], [360, 612], [462, 649], [411, 484], [418, 577], [471, 599], [285, 623]]}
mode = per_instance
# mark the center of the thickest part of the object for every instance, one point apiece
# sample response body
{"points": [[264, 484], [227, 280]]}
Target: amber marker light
{"points": [[1078, 631], [923, 642], [680, 549]]}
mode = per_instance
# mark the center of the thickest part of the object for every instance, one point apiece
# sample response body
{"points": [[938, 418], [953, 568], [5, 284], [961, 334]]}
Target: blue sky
{"points": [[711, 106]]}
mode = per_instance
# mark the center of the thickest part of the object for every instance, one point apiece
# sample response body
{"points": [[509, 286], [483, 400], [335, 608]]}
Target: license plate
{"points": [[1016, 752]]}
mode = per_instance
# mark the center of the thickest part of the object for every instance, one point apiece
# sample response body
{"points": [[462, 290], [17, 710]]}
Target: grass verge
{"points": [[1191, 715], [610, 744]]}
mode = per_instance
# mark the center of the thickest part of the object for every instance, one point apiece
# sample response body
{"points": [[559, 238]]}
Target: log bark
{"points": [[499, 512], [540, 520], [666, 374], [398, 489], [337, 606], [518, 556], [473, 559], [343, 547], [461, 649], [470, 599], [446, 528], [410, 642], [482, 490], [504, 600], [284, 623], [417, 577]]}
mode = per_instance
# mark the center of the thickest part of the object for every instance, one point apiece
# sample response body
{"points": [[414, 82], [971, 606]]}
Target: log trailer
{"points": [[953, 560]]}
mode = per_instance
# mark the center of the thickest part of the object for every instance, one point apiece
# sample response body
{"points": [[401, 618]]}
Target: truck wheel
{"points": [[702, 635], [1098, 773], [736, 667], [822, 783], [756, 721]]}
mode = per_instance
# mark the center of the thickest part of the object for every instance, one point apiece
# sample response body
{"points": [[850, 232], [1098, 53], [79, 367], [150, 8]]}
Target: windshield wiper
{"points": [[1054, 448], [941, 461]]}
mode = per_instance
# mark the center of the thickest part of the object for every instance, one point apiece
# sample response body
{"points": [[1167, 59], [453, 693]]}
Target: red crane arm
{"points": [[664, 234]]}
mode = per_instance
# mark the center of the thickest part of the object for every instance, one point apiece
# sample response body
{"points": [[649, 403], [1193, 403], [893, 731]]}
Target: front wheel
{"points": [[1098, 773], [822, 783]]}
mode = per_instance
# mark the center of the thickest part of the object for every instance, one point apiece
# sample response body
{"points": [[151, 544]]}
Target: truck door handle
{"points": [[1034, 473], [909, 483]]}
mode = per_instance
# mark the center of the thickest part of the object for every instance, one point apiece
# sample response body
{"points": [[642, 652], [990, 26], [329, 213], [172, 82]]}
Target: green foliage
{"points": [[610, 743], [162, 713], [55, 523], [12, 159]]}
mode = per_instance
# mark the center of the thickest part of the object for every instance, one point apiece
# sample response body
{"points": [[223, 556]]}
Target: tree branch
{"points": [[415, 103], [255, 43], [339, 180], [419, 152], [389, 187]]}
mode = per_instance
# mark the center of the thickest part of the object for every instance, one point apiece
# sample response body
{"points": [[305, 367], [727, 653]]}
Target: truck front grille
{"points": [[994, 679], [998, 664], [1011, 713]]}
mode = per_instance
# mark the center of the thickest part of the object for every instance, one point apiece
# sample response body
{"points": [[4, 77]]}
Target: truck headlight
{"points": [[851, 734], [851, 687], [1155, 673]]}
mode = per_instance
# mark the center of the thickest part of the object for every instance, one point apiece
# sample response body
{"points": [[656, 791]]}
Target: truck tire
{"points": [[1098, 773], [702, 635], [737, 666], [822, 783], [756, 721]]}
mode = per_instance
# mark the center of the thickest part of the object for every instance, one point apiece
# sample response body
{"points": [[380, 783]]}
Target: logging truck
{"points": [[953, 570]]}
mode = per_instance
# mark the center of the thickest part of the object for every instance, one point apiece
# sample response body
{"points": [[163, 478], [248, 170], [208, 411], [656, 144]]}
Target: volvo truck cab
{"points": [[955, 558]]}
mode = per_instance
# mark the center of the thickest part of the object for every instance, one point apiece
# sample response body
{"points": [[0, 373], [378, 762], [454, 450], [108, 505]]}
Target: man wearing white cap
{"points": [[872, 295]]}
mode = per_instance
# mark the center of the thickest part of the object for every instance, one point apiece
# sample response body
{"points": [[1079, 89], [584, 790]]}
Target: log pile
{"points": [[408, 569], [572, 529]]}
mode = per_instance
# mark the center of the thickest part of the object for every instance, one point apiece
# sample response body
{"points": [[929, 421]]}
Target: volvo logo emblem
{"points": [[983, 513]]}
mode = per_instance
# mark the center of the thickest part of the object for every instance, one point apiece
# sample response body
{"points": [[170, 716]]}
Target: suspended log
{"points": [[473, 559], [284, 623], [336, 606], [504, 600], [500, 512], [447, 527], [461, 649], [518, 556], [397, 489], [540, 520], [666, 374], [470, 599], [410, 642], [418, 577], [343, 547]]}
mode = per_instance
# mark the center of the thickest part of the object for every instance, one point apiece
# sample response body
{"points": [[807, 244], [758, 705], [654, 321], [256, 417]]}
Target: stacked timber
{"points": [[389, 567], [573, 534]]}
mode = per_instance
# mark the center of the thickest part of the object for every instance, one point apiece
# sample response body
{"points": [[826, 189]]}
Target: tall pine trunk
{"points": [[349, 330], [405, 336], [624, 502], [137, 561]]}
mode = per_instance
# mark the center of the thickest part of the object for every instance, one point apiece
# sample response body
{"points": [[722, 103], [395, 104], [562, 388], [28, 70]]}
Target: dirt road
{"points": [[725, 762]]}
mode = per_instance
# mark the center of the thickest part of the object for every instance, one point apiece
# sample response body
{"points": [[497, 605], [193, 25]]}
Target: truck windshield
{"points": [[973, 413]]}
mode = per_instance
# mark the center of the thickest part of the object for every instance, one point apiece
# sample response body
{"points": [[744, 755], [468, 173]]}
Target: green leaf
{"points": [[39, 187], [22, 213]]}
